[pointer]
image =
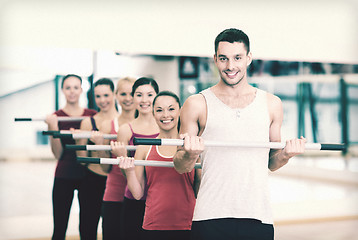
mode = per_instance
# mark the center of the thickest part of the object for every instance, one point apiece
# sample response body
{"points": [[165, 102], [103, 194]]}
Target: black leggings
{"points": [[166, 234], [132, 218], [111, 220], [231, 229], [90, 196]]}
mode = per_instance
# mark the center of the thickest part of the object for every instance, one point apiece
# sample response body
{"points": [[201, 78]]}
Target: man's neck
{"points": [[240, 89]]}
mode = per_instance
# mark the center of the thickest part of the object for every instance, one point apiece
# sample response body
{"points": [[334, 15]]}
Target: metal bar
{"points": [[271, 145], [344, 114], [83, 135], [301, 109], [56, 83], [51, 132], [96, 147], [60, 119], [312, 101], [115, 161]]}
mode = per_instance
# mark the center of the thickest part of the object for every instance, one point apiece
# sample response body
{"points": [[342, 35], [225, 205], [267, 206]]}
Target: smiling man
{"points": [[233, 200]]}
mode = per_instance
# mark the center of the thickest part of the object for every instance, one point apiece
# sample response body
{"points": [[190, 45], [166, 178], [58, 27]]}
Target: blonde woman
{"points": [[144, 90], [116, 181]]}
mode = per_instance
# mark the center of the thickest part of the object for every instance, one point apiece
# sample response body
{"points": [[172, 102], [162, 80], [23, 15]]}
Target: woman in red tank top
{"points": [[144, 90], [70, 175], [105, 101], [171, 196], [116, 182]]}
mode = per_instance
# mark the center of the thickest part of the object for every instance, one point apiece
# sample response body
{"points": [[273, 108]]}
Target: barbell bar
{"points": [[60, 119], [82, 135], [52, 132], [271, 145], [96, 147], [115, 161]]}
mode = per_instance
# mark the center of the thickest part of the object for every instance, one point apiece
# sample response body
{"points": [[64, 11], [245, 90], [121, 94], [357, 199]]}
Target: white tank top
{"points": [[234, 181]]}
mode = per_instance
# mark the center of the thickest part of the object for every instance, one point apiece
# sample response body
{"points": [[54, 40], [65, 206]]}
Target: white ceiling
{"points": [[302, 30]]}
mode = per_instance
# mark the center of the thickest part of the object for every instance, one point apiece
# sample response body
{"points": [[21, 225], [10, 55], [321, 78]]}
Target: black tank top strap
{"points": [[94, 126]]}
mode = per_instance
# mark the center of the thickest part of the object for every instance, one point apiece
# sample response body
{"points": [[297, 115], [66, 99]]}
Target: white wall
{"points": [[58, 37], [164, 71], [18, 139]]}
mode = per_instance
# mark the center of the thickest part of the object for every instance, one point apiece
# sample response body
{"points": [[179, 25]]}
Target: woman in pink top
{"points": [[144, 90], [116, 182], [170, 196]]}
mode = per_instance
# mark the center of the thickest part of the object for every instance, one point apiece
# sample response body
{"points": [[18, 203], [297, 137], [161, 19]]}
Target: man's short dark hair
{"points": [[232, 35]]}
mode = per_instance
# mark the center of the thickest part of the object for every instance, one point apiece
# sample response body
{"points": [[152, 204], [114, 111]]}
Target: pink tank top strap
{"points": [[130, 126], [113, 127]]}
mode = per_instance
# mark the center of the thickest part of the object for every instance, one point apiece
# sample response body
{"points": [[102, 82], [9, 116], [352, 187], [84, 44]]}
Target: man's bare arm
{"points": [[192, 116], [279, 158]]}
